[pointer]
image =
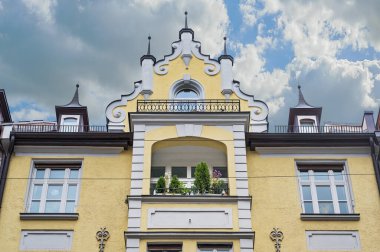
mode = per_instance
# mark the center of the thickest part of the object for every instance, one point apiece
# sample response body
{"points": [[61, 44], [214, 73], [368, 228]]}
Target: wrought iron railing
{"points": [[188, 106], [57, 128], [330, 129]]}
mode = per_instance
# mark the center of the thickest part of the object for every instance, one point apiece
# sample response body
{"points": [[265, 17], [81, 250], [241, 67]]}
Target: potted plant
{"points": [[161, 185], [217, 186], [175, 185], [202, 178]]}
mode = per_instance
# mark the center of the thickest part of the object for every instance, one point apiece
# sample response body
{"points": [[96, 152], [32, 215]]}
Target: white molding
{"points": [[66, 151], [226, 119], [57, 240], [302, 151], [184, 218], [186, 82], [115, 114], [186, 47], [259, 112], [333, 240], [194, 130]]}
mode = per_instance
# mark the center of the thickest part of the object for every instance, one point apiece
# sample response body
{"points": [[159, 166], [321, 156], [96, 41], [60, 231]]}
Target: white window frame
{"points": [[74, 127], [45, 182], [214, 249], [331, 182]]}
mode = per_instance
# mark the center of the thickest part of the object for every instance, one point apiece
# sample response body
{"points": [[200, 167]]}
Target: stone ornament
{"points": [[277, 236], [102, 236]]}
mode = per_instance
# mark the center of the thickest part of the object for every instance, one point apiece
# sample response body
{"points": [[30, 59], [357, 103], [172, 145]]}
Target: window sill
{"points": [[330, 217], [49, 216]]}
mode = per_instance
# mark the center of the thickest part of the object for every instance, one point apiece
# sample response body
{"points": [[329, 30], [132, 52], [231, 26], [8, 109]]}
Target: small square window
{"points": [[324, 189], [180, 172], [157, 171], [54, 188]]}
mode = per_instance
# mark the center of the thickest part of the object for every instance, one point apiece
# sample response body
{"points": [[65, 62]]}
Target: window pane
{"points": [[74, 173], [343, 207], [57, 173], [72, 192], [186, 94], [54, 192], [156, 172], [304, 175], [324, 193], [341, 192], [35, 206], [223, 171], [326, 207], [193, 172], [37, 189], [338, 175], [52, 206], [308, 207], [70, 205], [306, 192], [321, 175], [40, 173], [180, 172]]}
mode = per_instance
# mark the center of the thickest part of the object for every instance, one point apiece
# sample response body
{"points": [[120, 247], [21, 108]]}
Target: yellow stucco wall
{"points": [[276, 202], [162, 84], [103, 189]]}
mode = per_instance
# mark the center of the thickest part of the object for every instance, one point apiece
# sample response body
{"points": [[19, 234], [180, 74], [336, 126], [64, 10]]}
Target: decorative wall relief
{"points": [[277, 236], [102, 236]]}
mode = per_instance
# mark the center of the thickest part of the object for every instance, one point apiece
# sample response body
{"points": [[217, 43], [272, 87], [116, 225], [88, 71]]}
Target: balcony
{"points": [[327, 129], [40, 128], [188, 106]]}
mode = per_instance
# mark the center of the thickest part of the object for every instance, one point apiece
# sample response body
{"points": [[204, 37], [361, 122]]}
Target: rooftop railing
{"points": [[38, 128], [188, 106], [333, 129]]}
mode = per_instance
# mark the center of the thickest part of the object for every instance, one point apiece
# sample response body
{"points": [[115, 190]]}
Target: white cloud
{"points": [[249, 12], [42, 9], [29, 114]]}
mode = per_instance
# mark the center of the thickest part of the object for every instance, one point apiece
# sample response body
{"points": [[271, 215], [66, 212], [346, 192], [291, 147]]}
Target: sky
{"points": [[330, 48]]}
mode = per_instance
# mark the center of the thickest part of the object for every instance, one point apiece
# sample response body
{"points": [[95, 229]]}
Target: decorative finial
{"points": [[299, 86], [149, 38], [186, 19], [77, 85], [225, 45]]}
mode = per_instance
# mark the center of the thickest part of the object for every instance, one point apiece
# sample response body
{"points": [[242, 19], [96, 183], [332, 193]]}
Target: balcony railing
{"points": [[330, 129], [38, 128], [188, 106]]}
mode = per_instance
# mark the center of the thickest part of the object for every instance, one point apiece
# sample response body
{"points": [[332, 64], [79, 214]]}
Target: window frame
{"points": [[213, 247], [331, 182], [67, 165]]}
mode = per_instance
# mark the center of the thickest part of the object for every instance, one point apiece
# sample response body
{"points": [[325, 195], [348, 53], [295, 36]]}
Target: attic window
{"points": [[186, 93], [307, 123], [186, 90]]}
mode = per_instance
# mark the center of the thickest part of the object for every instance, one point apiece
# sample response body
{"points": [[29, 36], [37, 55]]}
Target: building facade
{"points": [[137, 184]]}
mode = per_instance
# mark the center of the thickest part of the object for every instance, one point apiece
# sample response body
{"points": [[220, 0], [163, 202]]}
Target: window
{"points": [[164, 247], [307, 126], [180, 172], [70, 123], [324, 189], [54, 188], [214, 247], [186, 93]]}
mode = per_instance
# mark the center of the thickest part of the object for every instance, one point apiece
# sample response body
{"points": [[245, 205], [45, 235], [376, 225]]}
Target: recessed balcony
{"points": [[188, 106]]}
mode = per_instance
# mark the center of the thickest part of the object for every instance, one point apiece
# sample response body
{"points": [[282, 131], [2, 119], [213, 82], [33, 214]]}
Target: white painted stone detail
{"points": [[190, 218], [46, 240], [333, 240], [189, 130]]}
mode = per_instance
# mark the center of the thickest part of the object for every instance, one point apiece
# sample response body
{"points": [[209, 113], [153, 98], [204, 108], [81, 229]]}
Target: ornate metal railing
{"points": [[330, 129], [188, 106], [57, 128]]}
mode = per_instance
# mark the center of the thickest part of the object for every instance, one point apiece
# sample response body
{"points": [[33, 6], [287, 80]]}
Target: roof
{"points": [[4, 108]]}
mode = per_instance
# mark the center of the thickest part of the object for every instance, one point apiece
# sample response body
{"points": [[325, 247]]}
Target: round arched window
{"points": [[186, 93]]}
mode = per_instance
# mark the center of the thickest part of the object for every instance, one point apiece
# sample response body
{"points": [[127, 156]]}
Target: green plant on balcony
{"points": [[176, 186], [161, 185], [202, 178], [217, 185]]}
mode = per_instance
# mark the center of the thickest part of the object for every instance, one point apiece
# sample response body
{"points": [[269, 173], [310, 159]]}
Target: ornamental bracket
{"points": [[277, 236], [102, 236]]}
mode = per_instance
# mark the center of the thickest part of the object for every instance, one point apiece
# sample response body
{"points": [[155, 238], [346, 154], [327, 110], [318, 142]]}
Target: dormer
{"points": [[72, 117], [5, 114], [304, 118]]}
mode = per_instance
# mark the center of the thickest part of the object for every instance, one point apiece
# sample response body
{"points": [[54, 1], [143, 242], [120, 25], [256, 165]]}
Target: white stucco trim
{"points": [[117, 115]]}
